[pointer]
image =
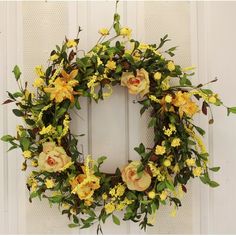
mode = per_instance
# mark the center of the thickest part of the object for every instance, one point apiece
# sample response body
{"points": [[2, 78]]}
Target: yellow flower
{"points": [[190, 162], [151, 194], [34, 163], [54, 57], [163, 195], [165, 84], [39, 71], [171, 66], [212, 99], [63, 87], [176, 169], [39, 82], [47, 130], [53, 158], [157, 76], [197, 171], [167, 163], [71, 43], [185, 104], [133, 180], [73, 211], [110, 207], [120, 206], [173, 212], [154, 99], [85, 184], [175, 142], [160, 150], [88, 202], [27, 154], [50, 183], [125, 31], [111, 65], [103, 31], [104, 196], [168, 98], [138, 84], [120, 190]]}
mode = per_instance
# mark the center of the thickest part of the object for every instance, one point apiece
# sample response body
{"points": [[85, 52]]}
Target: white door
{"points": [[29, 30]]}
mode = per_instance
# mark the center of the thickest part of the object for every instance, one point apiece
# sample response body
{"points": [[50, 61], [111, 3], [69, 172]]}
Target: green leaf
{"points": [[18, 112], [169, 185], [60, 112], [160, 186], [213, 184], [200, 130], [16, 72], [215, 169], [7, 138], [115, 220], [25, 142], [231, 110], [152, 122], [72, 225], [101, 159], [77, 104]]}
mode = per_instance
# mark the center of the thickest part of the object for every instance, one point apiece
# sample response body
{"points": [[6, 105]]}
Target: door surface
{"points": [[30, 30]]}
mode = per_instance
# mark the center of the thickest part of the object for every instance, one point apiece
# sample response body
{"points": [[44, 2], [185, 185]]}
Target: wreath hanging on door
{"points": [[58, 171]]}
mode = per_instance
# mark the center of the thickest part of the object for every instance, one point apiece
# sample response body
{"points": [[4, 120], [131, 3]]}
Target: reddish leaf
{"points": [[204, 108], [8, 101]]}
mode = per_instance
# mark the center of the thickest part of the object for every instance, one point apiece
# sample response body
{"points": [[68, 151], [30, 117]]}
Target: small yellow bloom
{"points": [[73, 211], [171, 66], [27, 154], [120, 206], [165, 84], [39, 71], [34, 163], [167, 163], [160, 150], [197, 171], [110, 207], [39, 82], [175, 142], [104, 196], [168, 98], [71, 43], [212, 99], [157, 76], [47, 130], [176, 169], [111, 65], [163, 195], [103, 31], [88, 202], [151, 194], [154, 99], [49, 183], [125, 31], [173, 212], [54, 57], [120, 190], [65, 206], [190, 162]]}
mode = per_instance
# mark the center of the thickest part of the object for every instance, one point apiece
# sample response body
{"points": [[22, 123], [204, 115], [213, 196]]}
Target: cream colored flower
{"points": [[133, 180], [53, 159], [138, 84]]}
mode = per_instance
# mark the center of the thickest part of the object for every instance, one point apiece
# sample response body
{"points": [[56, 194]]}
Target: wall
{"points": [[26, 39]]}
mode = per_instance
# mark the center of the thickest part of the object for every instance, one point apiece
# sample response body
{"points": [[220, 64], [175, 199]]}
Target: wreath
{"points": [[164, 89]]}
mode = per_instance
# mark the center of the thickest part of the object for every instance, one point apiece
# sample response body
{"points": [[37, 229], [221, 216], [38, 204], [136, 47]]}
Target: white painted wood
{"points": [[219, 37], [3, 130]]}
